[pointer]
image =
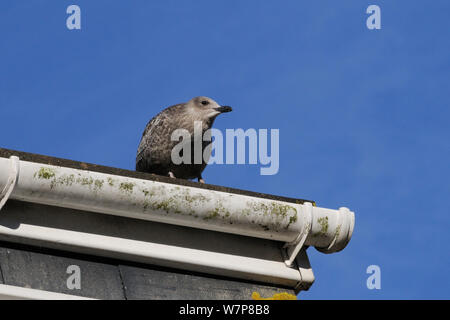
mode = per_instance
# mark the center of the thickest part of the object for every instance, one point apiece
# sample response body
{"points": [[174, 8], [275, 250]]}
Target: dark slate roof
{"points": [[103, 278]]}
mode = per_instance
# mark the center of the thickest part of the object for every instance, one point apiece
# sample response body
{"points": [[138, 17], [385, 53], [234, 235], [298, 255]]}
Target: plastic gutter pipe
{"points": [[11, 182], [297, 225]]}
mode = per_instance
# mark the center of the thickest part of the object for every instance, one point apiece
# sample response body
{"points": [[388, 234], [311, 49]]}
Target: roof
{"points": [[251, 240]]}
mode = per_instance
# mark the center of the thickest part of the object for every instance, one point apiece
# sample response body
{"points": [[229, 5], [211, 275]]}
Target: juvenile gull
{"points": [[155, 149]]}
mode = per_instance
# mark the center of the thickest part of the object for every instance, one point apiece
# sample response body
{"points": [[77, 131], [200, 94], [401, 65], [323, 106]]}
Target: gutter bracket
{"points": [[306, 272], [12, 181], [292, 249]]}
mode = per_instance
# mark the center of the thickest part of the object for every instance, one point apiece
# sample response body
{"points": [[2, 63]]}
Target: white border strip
{"points": [[18, 293]]}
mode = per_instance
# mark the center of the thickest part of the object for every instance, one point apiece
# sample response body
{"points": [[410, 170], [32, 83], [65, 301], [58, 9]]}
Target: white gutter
{"points": [[11, 182], [296, 224], [19, 293]]}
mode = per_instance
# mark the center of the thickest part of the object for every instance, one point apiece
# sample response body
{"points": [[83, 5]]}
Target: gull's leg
{"points": [[200, 179]]}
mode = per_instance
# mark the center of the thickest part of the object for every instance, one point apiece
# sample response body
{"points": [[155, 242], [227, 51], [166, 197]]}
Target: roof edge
{"points": [[37, 158]]}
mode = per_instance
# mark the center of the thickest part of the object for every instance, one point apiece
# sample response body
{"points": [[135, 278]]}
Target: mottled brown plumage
{"points": [[155, 149]]}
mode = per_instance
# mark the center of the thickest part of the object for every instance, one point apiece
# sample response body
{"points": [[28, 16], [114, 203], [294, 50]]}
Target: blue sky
{"points": [[363, 114]]}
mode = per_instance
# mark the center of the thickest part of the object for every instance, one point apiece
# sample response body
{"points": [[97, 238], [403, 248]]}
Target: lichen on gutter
{"points": [[126, 187], [269, 215], [64, 180], [282, 215], [110, 181], [324, 225], [45, 173], [178, 203]]}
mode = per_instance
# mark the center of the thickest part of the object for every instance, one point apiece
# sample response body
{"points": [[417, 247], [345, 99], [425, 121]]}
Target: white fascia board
{"points": [[147, 242], [19, 293]]}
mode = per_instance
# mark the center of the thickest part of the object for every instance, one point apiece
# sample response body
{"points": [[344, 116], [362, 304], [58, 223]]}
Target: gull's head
{"points": [[206, 107]]}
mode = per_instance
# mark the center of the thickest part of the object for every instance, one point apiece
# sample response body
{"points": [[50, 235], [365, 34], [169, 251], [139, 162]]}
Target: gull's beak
{"points": [[224, 109]]}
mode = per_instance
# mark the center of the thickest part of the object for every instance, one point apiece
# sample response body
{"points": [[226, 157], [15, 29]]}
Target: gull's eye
{"points": [[205, 103]]}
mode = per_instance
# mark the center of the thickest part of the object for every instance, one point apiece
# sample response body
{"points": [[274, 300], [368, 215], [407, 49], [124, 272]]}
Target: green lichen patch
{"points": [[64, 180], [292, 219], [162, 205], [219, 211], [110, 181], [68, 180], [169, 205], [126, 187], [148, 192], [338, 231], [156, 199], [85, 181], [189, 200], [281, 215], [270, 215], [45, 173], [181, 201], [274, 208], [213, 214], [323, 224], [98, 184]]}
